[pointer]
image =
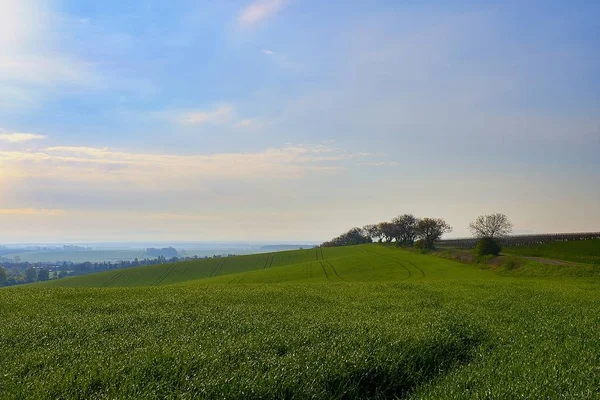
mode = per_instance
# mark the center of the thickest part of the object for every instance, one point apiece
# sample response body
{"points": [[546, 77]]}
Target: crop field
{"points": [[356, 322], [582, 251], [360, 263]]}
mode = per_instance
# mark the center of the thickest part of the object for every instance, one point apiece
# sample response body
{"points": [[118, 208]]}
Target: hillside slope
{"points": [[581, 251], [350, 264]]}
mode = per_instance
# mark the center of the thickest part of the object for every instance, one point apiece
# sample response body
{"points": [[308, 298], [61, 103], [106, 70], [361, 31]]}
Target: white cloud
{"points": [[31, 51], [267, 52], [91, 166], [19, 137], [30, 211], [217, 116], [381, 164], [260, 10], [248, 123]]}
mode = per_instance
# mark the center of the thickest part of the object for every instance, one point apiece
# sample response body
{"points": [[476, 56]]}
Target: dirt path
{"points": [[550, 261]]}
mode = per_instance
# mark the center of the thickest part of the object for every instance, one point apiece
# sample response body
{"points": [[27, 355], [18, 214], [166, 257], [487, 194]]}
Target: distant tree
{"points": [[405, 229], [30, 275], [372, 231], [62, 274], [430, 230], [491, 226], [487, 246], [43, 275], [3, 276], [387, 231], [352, 237]]}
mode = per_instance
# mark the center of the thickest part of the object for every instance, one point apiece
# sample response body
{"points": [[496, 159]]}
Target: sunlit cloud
{"points": [[102, 165], [28, 56], [259, 11], [19, 137], [216, 116], [30, 211]]}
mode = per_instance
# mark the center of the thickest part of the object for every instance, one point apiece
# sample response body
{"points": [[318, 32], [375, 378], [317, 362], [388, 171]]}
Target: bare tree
{"points": [[431, 229], [491, 226], [372, 231], [387, 231], [404, 231]]}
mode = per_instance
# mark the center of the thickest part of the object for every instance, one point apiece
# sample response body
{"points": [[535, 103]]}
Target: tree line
{"points": [[404, 230], [18, 273]]}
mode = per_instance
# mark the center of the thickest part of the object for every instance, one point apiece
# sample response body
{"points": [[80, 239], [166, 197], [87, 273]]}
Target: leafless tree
{"points": [[387, 231], [491, 226], [372, 231], [404, 231]]}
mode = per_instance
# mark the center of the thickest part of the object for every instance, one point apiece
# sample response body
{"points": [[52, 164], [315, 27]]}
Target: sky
{"points": [[283, 120]]}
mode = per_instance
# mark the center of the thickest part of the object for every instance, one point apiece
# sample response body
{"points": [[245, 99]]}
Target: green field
{"points": [[581, 251], [357, 322]]}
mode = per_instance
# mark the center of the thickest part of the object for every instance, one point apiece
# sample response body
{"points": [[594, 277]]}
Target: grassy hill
{"points": [[581, 251], [357, 322], [356, 263]]}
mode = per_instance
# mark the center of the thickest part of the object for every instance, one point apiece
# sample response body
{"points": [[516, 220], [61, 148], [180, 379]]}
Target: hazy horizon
{"points": [[294, 120]]}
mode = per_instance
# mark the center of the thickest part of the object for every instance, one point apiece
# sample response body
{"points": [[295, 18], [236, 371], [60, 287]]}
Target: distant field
{"points": [[582, 251], [356, 322], [101, 255], [360, 263]]}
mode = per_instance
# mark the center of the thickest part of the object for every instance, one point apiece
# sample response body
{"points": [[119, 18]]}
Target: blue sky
{"points": [[294, 119]]}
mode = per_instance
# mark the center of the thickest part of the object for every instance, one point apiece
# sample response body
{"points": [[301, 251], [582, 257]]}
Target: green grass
{"points": [[581, 251], [358, 263], [357, 322]]}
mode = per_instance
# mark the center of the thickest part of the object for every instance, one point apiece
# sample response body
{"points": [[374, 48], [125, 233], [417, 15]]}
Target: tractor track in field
{"points": [[162, 276], [321, 262], [237, 279], [334, 270], [112, 279], [394, 260], [221, 267], [320, 251], [324, 270], [420, 270], [271, 262], [221, 260]]}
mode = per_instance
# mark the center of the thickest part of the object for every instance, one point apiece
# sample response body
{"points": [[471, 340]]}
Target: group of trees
{"points": [[404, 230], [18, 273], [408, 230]]}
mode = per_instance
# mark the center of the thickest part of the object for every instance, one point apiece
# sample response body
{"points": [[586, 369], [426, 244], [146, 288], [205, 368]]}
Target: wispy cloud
{"points": [[88, 164], [268, 52], [30, 59], [19, 137], [30, 211], [248, 123], [217, 116], [259, 11]]}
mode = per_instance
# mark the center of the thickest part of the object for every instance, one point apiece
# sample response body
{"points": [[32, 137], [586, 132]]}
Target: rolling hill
{"points": [[355, 322], [352, 264]]}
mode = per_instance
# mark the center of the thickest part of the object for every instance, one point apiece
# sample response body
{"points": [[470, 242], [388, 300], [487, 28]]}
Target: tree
{"points": [[372, 231], [3, 277], [31, 275], [431, 229], [43, 274], [352, 237], [405, 229], [491, 226], [387, 231], [487, 246]]}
